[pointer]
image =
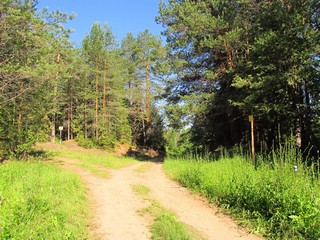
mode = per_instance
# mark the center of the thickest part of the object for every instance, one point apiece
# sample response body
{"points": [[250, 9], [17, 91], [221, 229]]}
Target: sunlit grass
{"points": [[141, 189], [282, 203], [96, 158], [41, 201]]}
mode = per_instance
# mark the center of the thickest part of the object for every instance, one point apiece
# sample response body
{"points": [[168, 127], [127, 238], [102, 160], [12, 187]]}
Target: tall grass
{"points": [[41, 201], [281, 203]]}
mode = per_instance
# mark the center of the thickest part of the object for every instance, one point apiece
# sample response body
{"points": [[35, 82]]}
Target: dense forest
{"points": [[101, 94], [222, 61], [233, 59]]}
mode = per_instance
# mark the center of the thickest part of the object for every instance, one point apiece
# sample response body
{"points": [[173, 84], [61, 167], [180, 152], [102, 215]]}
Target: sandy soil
{"points": [[115, 205]]}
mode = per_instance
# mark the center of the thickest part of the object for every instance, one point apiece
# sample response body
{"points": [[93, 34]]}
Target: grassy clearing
{"points": [[165, 225], [91, 160], [41, 201], [282, 203]]}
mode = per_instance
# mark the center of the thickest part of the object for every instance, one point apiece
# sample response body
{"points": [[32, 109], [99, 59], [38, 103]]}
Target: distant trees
{"points": [[107, 80], [27, 55], [143, 55], [101, 94], [241, 58]]}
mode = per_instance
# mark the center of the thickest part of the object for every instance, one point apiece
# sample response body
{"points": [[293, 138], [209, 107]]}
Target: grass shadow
{"points": [[145, 155], [41, 155]]}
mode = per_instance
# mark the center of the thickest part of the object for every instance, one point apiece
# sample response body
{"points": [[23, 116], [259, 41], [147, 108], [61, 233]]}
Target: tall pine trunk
{"points": [[148, 95], [69, 110], [55, 98], [104, 103], [97, 105]]}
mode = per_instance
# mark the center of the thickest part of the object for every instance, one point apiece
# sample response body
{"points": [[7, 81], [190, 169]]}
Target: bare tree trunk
{"points": [[144, 133], [85, 121], [53, 123], [19, 119], [97, 104], [55, 102], [71, 117], [104, 103], [70, 103], [148, 96]]}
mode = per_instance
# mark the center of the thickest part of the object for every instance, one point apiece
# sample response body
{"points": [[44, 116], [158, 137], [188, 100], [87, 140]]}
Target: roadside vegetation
{"points": [[41, 201], [223, 61], [278, 197]]}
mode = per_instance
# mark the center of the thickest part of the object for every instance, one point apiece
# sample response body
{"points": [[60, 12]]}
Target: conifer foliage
{"points": [[237, 58], [46, 83]]}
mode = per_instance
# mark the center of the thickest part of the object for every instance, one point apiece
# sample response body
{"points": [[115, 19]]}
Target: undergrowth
{"points": [[279, 195], [41, 201]]}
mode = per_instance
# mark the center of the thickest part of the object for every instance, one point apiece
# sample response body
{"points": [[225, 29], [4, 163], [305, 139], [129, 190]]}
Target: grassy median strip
{"points": [[165, 225], [41, 201], [144, 167]]}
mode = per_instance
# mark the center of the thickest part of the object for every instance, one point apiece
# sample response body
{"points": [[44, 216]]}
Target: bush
{"points": [[85, 142]]}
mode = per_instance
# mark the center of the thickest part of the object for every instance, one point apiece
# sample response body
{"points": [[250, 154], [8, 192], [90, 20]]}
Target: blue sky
{"points": [[122, 16]]}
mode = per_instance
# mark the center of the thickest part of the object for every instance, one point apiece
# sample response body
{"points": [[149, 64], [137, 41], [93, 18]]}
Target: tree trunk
{"points": [[104, 103], [144, 133], [55, 98], [148, 95], [19, 119], [69, 111], [55, 102], [85, 121], [97, 104]]}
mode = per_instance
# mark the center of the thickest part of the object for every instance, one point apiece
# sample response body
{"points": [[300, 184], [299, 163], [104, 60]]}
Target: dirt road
{"points": [[115, 205]]}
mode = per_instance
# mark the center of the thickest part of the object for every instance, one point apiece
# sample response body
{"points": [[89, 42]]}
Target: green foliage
{"points": [[177, 144], [251, 57], [40, 201], [280, 202], [45, 83], [85, 143], [27, 51], [144, 54]]}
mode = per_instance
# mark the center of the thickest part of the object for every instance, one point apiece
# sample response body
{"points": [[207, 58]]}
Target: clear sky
{"points": [[122, 16]]}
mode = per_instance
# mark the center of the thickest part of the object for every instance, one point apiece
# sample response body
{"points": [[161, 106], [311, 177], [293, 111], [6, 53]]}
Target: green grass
{"points": [[97, 158], [41, 201], [144, 167], [141, 189], [281, 203], [94, 169], [165, 225]]}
